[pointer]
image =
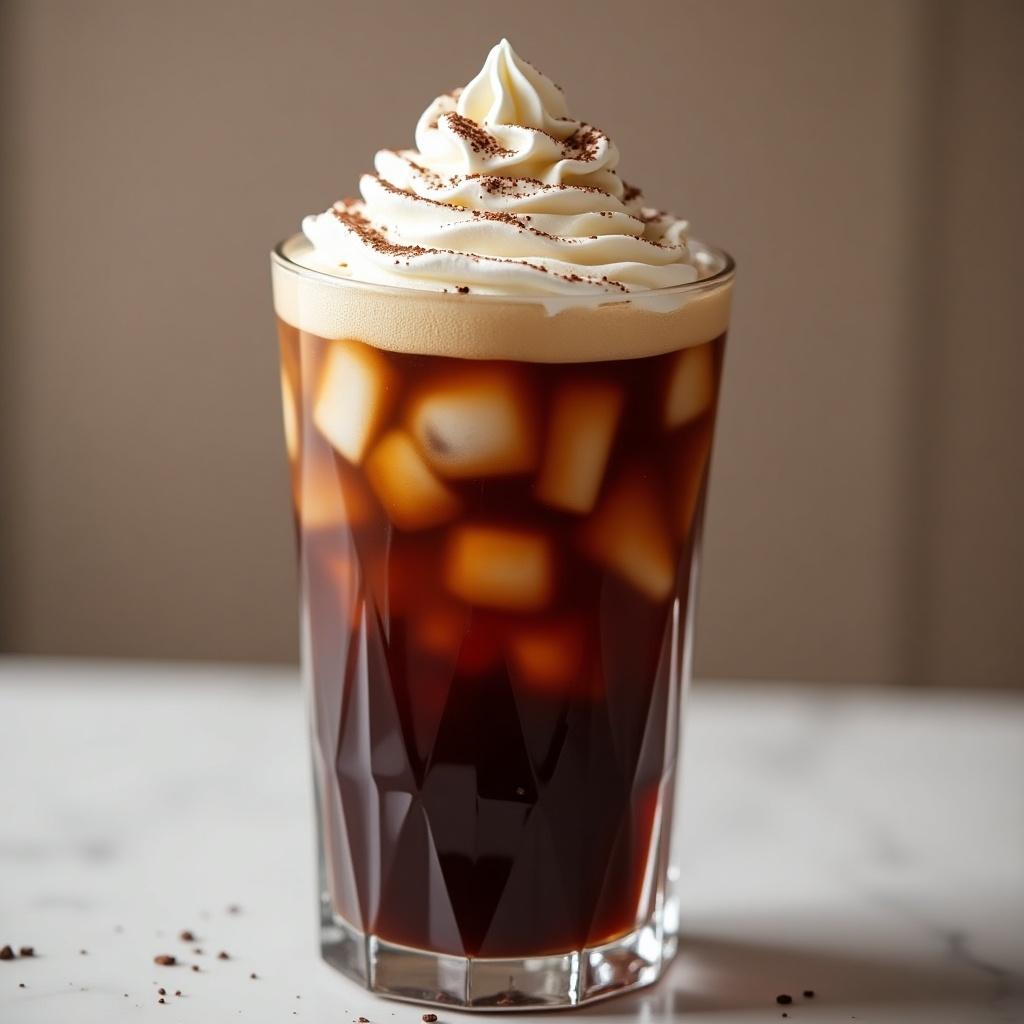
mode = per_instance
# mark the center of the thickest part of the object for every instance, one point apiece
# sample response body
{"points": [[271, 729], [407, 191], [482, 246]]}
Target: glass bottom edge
{"points": [[556, 981]]}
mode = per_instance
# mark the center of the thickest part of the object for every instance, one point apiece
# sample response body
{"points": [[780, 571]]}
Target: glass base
{"points": [[545, 982]]}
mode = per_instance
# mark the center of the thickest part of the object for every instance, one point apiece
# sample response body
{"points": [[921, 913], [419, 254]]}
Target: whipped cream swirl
{"points": [[505, 194]]}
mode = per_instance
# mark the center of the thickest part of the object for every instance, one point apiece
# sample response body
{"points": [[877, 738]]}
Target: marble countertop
{"points": [[865, 844]]}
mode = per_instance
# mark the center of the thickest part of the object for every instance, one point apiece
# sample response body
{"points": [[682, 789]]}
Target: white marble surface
{"points": [[866, 844]]}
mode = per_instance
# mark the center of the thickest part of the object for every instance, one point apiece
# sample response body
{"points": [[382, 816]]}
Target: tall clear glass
{"points": [[498, 505]]}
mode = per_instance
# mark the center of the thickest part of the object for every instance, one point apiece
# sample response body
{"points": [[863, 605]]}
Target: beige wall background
{"points": [[863, 160]]}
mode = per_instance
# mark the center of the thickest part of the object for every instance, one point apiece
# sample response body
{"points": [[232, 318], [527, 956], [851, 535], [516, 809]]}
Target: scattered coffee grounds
{"points": [[463, 289], [27, 951], [21, 984], [195, 967], [223, 956], [162, 1000], [783, 1000], [161, 991], [6, 953], [808, 993], [363, 1020], [165, 960], [177, 992], [429, 1018], [187, 936], [253, 975]]}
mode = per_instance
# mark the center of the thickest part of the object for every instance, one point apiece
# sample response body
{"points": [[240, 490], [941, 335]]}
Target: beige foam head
{"points": [[543, 329]]}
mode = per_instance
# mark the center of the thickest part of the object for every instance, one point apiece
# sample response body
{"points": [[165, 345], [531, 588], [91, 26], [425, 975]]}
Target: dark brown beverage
{"points": [[495, 569]]}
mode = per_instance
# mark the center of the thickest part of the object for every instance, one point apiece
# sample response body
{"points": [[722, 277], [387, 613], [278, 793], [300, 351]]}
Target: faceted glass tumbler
{"points": [[497, 565]]}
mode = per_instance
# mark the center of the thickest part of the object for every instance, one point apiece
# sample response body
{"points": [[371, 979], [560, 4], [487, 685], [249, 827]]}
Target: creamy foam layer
{"points": [[505, 194], [545, 329]]}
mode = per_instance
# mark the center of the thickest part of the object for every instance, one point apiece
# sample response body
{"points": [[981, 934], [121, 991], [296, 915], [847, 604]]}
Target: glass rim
{"points": [[721, 277]]}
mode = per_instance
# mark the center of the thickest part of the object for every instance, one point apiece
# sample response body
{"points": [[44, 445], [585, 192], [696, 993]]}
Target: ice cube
{"points": [[398, 576], [329, 493], [628, 534], [413, 497], [438, 629], [584, 416], [468, 643], [691, 386], [481, 648], [547, 654], [690, 462], [355, 394], [497, 567], [476, 422], [344, 578]]}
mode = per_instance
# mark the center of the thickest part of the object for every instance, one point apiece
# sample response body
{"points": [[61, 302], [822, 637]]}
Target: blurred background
{"points": [[861, 159]]}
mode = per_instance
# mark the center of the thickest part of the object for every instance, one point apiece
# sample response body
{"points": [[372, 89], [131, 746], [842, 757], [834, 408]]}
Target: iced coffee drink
{"points": [[500, 370]]}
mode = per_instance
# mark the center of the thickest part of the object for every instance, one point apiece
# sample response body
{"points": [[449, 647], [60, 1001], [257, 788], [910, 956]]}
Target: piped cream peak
{"points": [[506, 193], [508, 90]]}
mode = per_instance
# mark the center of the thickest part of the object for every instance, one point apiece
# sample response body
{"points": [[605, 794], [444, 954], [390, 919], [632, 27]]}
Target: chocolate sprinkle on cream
{"points": [[501, 169], [480, 141]]}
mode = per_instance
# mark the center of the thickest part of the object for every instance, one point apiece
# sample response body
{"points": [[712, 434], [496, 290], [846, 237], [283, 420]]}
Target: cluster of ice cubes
{"points": [[485, 421]]}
